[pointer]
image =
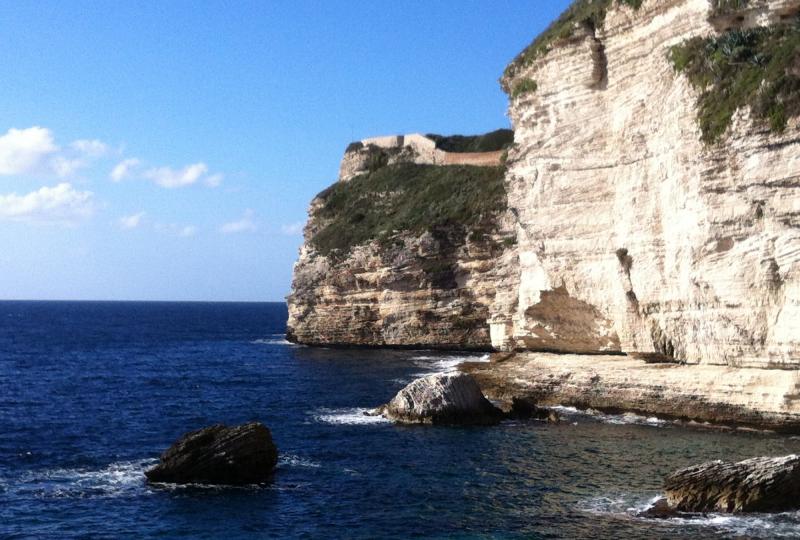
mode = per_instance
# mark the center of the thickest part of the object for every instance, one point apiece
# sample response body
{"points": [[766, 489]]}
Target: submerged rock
{"points": [[219, 454], [443, 399], [760, 484]]}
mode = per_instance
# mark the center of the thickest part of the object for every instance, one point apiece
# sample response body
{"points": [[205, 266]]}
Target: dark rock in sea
{"points": [[220, 455], [442, 399], [659, 510], [760, 484], [525, 409]]}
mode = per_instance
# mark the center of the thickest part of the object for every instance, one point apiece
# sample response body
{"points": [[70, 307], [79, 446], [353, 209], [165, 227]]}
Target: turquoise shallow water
{"points": [[92, 392]]}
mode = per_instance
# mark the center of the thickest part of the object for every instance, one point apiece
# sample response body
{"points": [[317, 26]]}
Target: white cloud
{"points": [[132, 221], [170, 178], [292, 229], [214, 180], [25, 150], [90, 148], [59, 204], [246, 224], [123, 169]]}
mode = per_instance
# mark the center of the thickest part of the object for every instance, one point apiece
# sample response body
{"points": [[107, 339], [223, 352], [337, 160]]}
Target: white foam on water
{"points": [[443, 364], [618, 419], [779, 525], [351, 416], [292, 460], [117, 479], [272, 341]]}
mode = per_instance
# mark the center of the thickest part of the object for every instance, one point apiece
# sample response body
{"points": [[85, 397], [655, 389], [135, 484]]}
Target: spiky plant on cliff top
{"points": [[757, 68]]}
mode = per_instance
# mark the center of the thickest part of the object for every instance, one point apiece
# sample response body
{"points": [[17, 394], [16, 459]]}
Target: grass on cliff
{"points": [[591, 13], [407, 198], [757, 68], [488, 142]]}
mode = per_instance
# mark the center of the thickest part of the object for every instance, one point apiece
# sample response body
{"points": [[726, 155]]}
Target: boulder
{"points": [[761, 484], [219, 454], [442, 399]]}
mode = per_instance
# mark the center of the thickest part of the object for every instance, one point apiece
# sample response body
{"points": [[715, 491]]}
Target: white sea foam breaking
{"points": [[627, 506], [292, 460], [272, 341], [116, 480], [443, 364], [619, 419], [351, 416]]}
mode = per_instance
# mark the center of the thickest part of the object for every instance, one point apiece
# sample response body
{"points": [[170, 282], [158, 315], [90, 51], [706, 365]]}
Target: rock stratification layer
{"points": [[761, 484], [403, 251]]}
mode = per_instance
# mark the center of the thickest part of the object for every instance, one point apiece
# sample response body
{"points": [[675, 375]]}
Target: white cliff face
{"points": [[633, 235]]}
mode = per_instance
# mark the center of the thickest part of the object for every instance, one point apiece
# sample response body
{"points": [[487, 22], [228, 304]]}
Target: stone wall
{"points": [[411, 148]]}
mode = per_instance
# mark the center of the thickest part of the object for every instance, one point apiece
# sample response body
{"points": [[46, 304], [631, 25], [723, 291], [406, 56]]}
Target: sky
{"points": [[168, 150]]}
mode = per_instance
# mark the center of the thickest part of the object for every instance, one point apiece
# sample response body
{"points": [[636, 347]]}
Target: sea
{"points": [[92, 392]]}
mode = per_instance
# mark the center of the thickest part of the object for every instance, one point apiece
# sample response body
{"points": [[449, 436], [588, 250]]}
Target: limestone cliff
{"points": [[403, 250], [643, 226], [650, 202]]}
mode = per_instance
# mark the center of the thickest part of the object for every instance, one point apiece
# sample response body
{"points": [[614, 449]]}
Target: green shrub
{"points": [[742, 68], [523, 86], [591, 13], [408, 198], [488, 142]]}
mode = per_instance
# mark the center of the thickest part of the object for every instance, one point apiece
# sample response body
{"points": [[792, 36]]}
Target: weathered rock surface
{"points": [[218, 454], [761, 484], [633, 234], [765, 398], [442, 399]]}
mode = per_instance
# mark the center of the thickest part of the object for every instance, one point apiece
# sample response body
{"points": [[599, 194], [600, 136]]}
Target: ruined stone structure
{"points": [[412, 148]]}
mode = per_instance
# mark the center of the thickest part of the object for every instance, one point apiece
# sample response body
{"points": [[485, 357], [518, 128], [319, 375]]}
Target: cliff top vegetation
{"points": [[591, 13], [488, 142], [757, 68], [407, 198]]}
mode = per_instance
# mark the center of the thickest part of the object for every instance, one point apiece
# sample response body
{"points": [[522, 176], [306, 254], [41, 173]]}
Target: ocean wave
{"points": [[444, 364], [117, 479], [272, 341], [628, 506], [351, 416]]}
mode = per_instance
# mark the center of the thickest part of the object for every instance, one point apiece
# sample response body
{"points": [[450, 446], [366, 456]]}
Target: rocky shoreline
{"points": [[748, 397]]}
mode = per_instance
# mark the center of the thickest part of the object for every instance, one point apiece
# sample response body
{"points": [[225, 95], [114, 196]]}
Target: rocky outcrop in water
{"points": [[442, 399], [649, 208], [402, 252], [760, 484], [763, 398], [219, 454]]}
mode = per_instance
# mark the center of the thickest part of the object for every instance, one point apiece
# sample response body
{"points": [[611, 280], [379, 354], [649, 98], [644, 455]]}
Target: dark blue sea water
{"points": [[91, 393]]}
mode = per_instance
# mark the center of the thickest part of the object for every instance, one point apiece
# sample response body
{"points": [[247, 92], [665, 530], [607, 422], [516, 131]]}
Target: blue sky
{"points": [[169, 150]]}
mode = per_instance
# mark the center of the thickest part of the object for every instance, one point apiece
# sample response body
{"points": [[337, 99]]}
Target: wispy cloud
{"points": [[170, 178], [123, 169], [60, 204], [293, 229], [132, 221], [214, 180], [175, 229], [187, 231], [245, 224]]}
